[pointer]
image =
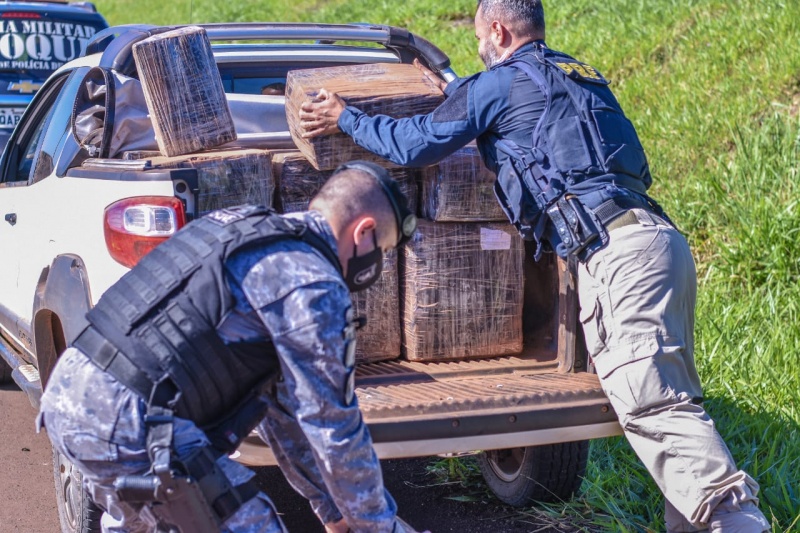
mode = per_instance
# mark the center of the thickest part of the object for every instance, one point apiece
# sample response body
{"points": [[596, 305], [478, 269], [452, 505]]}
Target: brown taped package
{"points": [[463, 291], [460, 189], [380, 304], [379, 88], [183, 91], [227, 178], [298, 181]]}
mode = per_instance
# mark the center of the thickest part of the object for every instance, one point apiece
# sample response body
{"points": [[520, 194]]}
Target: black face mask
{"points": [[364, 270]]}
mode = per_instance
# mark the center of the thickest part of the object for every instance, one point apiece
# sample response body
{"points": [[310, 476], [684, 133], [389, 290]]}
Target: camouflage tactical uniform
{"points": [[285, 291]]}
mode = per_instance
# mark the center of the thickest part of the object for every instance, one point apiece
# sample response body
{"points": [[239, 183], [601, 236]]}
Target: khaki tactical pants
{"points": [[637, 299]]}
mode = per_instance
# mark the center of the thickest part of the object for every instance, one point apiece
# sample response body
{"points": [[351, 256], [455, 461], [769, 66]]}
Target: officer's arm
{"points": [[308, 329], [471, 106]]}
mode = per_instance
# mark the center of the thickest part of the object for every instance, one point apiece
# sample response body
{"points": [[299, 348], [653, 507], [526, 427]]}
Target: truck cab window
{"points": [[32, 134]]}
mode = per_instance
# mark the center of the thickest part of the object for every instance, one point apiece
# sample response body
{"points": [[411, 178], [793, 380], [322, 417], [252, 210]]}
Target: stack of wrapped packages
{"points": [[463, 270], [190, 115], [298, 182], [394, 90], [461, 276]]}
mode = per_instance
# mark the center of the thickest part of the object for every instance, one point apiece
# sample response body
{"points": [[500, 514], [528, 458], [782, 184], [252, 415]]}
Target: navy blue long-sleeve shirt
{"points": [[501, 103]]}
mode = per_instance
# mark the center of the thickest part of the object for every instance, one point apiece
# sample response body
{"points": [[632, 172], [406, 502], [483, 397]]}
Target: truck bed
{"points": [[417, 409]]}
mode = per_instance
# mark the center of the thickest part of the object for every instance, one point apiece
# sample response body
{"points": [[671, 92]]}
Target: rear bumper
{"points": [[506, 404]]}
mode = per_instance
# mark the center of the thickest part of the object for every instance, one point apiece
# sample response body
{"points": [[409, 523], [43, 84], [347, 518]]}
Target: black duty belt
{"points": [[110, 359], [613, 208]]}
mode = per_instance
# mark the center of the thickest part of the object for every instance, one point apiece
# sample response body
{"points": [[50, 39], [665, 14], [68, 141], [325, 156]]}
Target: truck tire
{"points": [[76, 511], [5, 372], [549, 473]]}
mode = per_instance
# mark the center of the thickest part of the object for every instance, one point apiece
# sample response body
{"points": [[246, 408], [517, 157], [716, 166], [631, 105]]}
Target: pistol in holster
{"points": [[191, 496], [576, 227]]}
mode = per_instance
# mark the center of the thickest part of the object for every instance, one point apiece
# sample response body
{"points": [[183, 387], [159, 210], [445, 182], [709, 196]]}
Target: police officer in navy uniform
{"points": [[243, 314], [572, 177]]}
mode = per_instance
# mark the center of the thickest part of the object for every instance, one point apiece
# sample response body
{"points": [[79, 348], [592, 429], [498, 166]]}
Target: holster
{"points": [[189, 494], [177, 501], [575, 225]]}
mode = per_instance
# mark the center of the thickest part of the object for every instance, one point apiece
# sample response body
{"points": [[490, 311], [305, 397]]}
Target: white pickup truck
{"points": [[531, 415]]}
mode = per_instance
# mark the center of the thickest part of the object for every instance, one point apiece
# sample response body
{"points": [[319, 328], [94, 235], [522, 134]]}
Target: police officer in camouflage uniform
{"points": [[572, 176], [242, 314]]}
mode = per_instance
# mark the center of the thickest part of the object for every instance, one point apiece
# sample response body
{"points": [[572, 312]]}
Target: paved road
{"points": [[27, 497], [27, 500]]}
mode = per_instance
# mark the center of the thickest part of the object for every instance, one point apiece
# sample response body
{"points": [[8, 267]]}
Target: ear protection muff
{"points": [[406, 220]]}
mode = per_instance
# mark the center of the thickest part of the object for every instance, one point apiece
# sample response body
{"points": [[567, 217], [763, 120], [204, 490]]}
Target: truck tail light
{"points": [[134, 226]]}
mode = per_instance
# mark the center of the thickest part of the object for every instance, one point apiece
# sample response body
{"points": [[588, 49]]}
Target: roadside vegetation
{"points": [[713, 87]]}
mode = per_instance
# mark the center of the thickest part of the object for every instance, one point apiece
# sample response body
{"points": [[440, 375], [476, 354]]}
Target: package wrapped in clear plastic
{"points": [[227, 178], [183, 91], [298, 181], [463, 291], [379, 339], [460, 189], [396, 90]]}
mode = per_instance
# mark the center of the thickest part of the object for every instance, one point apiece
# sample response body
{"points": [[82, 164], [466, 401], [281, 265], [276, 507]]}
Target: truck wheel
{"points": [[5, 372], [76, 511], [547, 473]]}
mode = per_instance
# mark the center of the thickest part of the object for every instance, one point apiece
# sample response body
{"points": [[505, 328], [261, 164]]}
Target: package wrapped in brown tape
{"points": [[380, 304], [227, 178], [460, 189], [379, 340], [298, 181], [183, 91], [379, 88], [463, 291]]}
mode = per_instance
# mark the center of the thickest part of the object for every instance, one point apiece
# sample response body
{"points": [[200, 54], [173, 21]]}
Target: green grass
{"points": [[713, 87]]}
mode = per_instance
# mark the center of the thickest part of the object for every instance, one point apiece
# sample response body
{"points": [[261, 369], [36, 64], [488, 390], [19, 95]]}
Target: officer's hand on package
{"points": [[320, 115], [439, 82]]}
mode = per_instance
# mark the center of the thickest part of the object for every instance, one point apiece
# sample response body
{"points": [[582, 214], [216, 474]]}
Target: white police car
{"points": [[36, 38]]}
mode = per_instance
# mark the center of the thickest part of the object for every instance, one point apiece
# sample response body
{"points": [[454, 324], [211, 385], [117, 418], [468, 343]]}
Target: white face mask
{"points": [[488, 55]]}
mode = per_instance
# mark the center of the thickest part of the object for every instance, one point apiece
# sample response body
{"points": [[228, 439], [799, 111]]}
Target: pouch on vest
{"points": [[110, 115]]}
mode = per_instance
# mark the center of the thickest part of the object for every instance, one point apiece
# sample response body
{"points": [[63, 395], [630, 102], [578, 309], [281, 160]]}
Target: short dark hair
{"points": [[525, 18], [353, 193]]}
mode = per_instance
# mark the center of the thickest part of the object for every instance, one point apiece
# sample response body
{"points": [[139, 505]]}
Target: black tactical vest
{"points": [[583, 145], [163, 313]]}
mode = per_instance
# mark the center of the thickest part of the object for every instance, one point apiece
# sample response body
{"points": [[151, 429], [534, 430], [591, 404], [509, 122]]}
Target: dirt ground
{"points": [[423, 501], [27, 492], [27, 499]]}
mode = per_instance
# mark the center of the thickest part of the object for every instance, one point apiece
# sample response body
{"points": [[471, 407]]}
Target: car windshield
{"points": [[33, 45]]}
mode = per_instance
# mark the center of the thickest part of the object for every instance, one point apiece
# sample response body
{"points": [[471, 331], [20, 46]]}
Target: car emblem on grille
{"points": [[24, 87]]}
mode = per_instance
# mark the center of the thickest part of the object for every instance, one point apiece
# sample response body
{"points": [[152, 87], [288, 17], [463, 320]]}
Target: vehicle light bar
{"points": [[20, 15]]}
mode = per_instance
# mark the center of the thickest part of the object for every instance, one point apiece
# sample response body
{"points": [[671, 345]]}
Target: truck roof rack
{"points": [[116, 42]]}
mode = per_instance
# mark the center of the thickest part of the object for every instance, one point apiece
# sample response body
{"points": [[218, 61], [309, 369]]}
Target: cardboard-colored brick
{"points": [[183, 91], [298, 181], [460, 189], [227, 178], [379, 340], [396, 90], [463, 291]]}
